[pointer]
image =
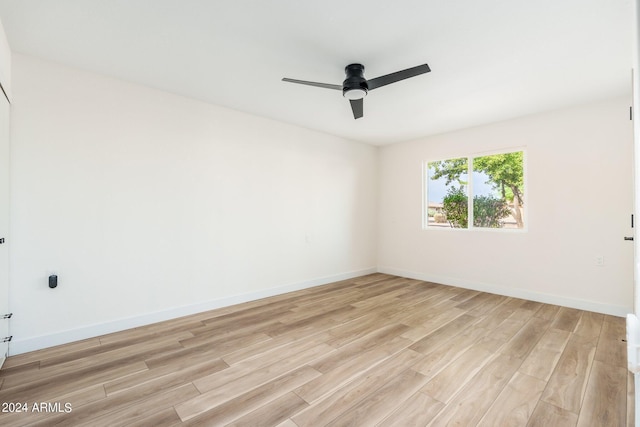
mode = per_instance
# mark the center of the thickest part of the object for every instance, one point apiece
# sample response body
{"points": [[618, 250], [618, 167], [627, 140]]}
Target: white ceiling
{"points": [[491, 59]]}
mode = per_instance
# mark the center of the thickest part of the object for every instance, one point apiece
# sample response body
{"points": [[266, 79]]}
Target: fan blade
{"points": [[303, 82], [397, 76], [356, 107]]}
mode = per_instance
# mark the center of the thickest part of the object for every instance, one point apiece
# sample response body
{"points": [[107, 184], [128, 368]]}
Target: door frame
{"points": [[4, 346]]}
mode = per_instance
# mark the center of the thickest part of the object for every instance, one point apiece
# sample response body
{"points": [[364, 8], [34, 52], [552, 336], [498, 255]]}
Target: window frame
{"points": [[470, 192]]}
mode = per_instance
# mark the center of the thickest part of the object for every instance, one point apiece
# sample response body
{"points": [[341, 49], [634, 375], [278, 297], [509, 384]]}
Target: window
{"points": [[496, 188]]}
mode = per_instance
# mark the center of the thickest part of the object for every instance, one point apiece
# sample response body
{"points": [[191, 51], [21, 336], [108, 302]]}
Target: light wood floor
{"points": [[376, 350]]}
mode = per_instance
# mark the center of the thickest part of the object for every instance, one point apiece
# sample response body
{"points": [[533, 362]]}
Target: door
{"points": [[4, 226]]}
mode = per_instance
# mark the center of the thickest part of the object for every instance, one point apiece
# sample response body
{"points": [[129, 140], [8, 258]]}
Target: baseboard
{"points": [[613, 310], [25, 345]]}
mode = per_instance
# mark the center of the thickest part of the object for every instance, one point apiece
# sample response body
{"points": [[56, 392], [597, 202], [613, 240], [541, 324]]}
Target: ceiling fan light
{"points": [[353, 94]]}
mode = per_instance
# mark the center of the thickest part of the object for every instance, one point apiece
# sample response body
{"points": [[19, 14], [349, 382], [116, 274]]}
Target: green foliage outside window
{"points": [[489, 212], [455, 207]]}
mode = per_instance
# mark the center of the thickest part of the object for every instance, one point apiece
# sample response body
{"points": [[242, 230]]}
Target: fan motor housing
{"points": [[355, 82]]}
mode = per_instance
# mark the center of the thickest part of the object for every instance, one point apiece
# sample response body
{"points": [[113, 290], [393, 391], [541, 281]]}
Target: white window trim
{"points": [[471, 227]]}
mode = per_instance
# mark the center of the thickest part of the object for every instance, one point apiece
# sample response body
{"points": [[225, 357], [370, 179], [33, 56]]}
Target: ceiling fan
{"points": [[355, 87]]}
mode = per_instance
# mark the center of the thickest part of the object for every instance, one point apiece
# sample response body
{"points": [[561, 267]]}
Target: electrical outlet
{"points": [[599, 260]]}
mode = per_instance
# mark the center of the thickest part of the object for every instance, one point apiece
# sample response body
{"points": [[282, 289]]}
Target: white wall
{"points": [[149, 205], [579, 187], [5, 62]]}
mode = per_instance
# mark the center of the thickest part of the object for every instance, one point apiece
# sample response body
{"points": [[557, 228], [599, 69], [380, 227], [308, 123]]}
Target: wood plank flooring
{"points": [[375, 350]]}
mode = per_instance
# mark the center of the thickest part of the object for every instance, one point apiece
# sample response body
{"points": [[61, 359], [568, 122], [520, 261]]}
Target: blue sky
{"points": [[436, 189]]}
